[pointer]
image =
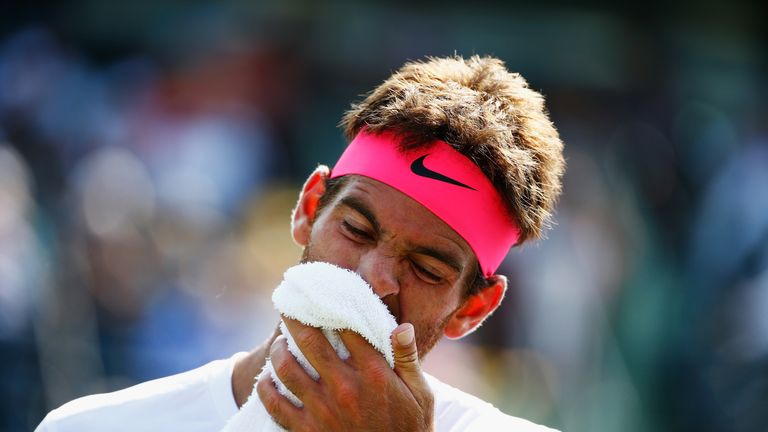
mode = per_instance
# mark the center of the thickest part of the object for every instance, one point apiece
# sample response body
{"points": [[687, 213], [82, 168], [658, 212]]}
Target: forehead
{"points": [[400, 215]]}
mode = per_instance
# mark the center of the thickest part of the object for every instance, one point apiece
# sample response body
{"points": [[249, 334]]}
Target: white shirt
{"points": [[201, 400]]}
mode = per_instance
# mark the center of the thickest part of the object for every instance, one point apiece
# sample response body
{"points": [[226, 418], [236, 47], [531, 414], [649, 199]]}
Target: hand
{"points": [[359, 394]]}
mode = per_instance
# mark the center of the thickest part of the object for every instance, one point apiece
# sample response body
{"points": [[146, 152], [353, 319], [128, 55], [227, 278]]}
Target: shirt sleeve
{"points": [[220, 385], [197, 400]]}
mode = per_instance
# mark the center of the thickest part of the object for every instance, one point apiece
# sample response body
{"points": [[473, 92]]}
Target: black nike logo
{"points": [[418, 168]]}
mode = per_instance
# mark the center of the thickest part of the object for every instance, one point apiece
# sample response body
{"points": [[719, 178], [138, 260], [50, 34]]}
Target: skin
{"points": [[418, 266]]}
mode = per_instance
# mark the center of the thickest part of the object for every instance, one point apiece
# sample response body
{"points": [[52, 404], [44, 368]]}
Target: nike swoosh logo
{"points": [[418, 168]]}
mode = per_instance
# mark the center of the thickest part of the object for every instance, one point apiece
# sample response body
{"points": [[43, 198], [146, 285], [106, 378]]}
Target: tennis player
{"points": [[451, 162]]}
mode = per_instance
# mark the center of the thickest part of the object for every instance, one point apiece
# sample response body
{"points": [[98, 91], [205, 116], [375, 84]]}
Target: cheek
{"points": [[326, 245], [427, 306]]}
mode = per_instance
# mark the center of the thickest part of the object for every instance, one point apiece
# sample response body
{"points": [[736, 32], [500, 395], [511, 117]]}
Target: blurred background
{"points": [[150, 153]]}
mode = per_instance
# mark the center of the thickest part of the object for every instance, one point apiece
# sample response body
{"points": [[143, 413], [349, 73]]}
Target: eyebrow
{"points": [[362, 208], [442, 256]]}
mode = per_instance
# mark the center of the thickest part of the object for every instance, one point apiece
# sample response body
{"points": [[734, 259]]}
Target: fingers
{"points": [[289, 370], [361, 352], [407, 364], [315, 347], [281, 409], [404, 345]]}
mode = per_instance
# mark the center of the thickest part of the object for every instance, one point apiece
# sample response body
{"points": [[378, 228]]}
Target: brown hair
{"points": [[483, 111]]}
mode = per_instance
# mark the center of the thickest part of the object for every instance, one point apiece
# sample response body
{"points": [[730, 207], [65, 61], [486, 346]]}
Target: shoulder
{"points": [[201, 397], [457, 411]]}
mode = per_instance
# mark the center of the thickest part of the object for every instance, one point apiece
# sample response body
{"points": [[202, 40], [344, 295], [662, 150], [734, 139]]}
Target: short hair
{"points": [[486, 113]]}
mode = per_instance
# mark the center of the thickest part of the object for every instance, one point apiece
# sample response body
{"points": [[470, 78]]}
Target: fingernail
{"points": [[405, 337]]}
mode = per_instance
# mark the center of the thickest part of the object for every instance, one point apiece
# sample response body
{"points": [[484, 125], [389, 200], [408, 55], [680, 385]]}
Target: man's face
{"points": [[413, 260]]}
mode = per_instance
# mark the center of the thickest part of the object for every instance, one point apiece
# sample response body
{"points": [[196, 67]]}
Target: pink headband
{"points": [[444, 181]]}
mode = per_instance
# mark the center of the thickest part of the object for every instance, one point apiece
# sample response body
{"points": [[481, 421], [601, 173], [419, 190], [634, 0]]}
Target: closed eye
{"points": [[425, 274], [357, 233]]}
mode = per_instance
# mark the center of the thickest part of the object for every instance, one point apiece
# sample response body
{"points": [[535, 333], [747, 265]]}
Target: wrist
{"points": [[247, 368]]}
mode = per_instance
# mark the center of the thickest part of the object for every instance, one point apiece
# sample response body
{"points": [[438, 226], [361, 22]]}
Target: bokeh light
{"points": [[151, 153]]}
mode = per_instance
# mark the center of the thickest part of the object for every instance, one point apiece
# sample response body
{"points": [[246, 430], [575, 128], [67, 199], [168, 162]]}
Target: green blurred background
{"points": [[150, 153]]}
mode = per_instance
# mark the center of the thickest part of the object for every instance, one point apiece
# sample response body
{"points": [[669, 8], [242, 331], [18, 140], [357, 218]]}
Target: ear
{"points": [[306, 208], [476, 308]]}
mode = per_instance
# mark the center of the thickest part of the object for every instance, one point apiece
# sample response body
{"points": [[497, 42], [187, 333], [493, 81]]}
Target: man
{"points": [[451, 162]]}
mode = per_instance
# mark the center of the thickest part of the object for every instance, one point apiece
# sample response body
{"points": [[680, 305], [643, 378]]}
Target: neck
{"points": [[248, 368]]}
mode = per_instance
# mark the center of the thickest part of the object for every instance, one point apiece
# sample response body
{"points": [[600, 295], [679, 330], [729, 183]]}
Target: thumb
{"points": [[407, 364]]}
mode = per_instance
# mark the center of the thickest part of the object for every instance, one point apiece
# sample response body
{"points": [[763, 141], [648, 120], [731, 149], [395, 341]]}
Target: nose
{"points": [[380, 271]]}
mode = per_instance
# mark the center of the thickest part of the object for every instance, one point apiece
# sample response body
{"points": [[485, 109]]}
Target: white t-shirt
{"points": [[201, 400]]}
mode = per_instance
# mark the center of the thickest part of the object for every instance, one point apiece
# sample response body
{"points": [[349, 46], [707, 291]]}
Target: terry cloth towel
{"points": [[328, 297]]}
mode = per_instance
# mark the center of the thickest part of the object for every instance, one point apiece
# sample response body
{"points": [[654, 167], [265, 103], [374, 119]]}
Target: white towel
{"points": [[330, 298]]}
